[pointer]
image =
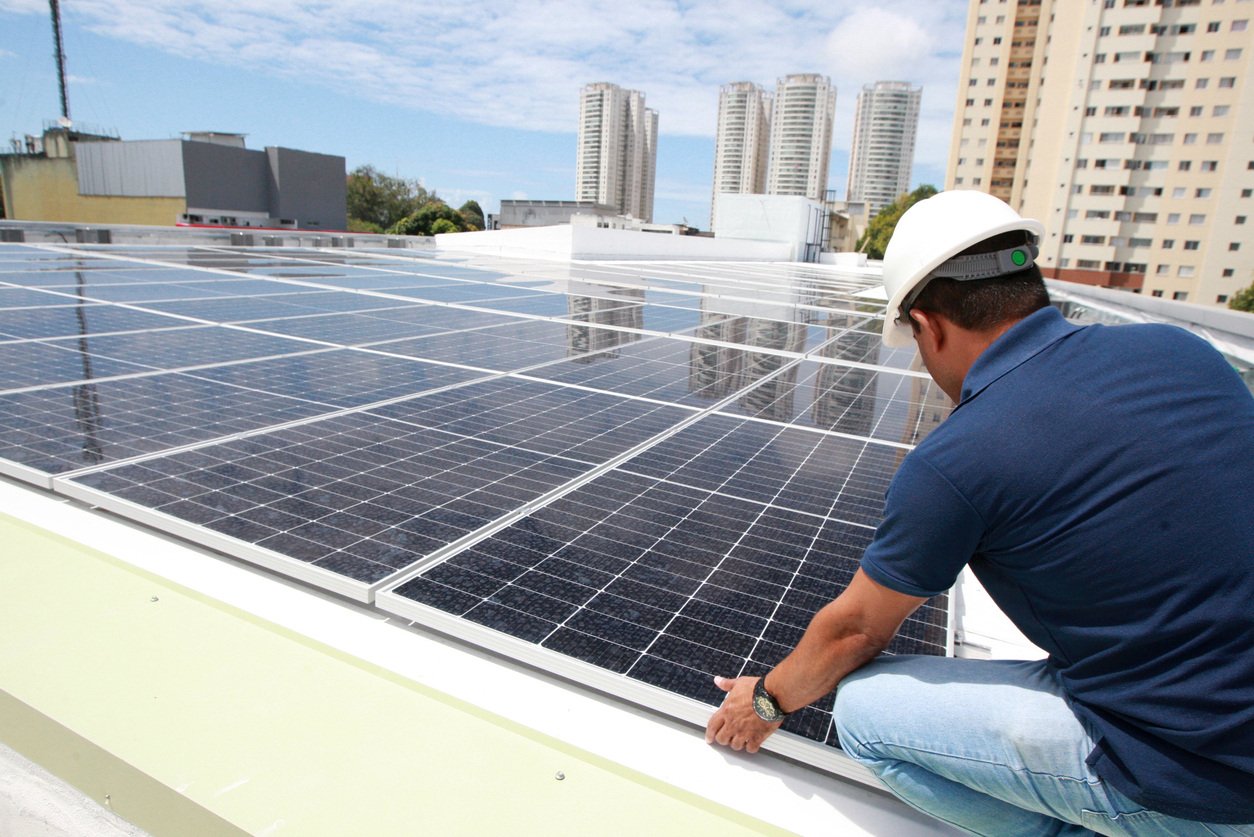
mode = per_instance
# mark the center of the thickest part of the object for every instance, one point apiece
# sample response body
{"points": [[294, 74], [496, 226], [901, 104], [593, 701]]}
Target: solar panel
{"points": [[637, 475]]}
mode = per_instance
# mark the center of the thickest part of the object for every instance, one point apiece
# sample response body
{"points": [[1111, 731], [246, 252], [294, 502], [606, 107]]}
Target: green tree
{"points": [[422, 221], [874, 240], [1243, 300], [443, 225], [473, 213], [376, 200]]}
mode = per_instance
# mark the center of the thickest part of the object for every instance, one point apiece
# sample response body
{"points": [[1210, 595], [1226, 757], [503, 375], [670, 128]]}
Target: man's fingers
{"points": [[724, 683]]}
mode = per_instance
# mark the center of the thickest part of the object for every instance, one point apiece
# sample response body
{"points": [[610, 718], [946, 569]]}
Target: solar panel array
{"points": [[638, 474]]}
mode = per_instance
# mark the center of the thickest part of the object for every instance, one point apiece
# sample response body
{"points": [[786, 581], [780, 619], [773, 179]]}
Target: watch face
{"points": [[765, 705]]}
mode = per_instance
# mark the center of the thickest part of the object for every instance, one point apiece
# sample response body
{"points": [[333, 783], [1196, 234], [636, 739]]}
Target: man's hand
{"points": [[735, 724]]}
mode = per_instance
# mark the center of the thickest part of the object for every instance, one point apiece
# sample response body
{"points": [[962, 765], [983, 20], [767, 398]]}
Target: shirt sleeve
{"points": [[929, 532]]}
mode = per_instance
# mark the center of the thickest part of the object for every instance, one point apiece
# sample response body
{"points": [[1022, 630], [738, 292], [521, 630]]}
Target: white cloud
{"points": [[520, 64]]}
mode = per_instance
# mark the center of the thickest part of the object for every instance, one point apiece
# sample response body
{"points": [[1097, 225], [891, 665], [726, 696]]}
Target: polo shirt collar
{"points": [[1021, 342]]}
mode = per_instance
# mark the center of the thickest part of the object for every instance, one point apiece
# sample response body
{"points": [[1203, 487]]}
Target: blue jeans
{"points": [[989, 746]]}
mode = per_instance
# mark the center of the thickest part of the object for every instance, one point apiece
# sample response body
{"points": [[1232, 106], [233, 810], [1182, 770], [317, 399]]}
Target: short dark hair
{"points": [[984, 304]]}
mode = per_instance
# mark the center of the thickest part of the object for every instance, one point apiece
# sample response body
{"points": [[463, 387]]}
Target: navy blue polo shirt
{"points": [[1099, 481]]}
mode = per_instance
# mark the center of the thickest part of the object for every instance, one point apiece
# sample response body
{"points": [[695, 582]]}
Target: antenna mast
{"points": [[60, 56]]}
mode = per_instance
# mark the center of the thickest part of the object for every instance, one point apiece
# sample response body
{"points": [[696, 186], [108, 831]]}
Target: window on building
{"points": [[1157, 293], [1233, 246], [1221, 298], [1245, 193], [1213, 26], [1067, 238], [1145, 217], [1185, 271], [1184, 165], [1196, 219], [1215, 138], [1173, 218], [1210, 165], [1221, 110], [1196, 110], [1240, 219], [1233, 54], [1201, 83], [1228, 81], [1168, 243], [1228, 273], [1190, 139], [1192, 245], [1179, 192], [1092, 239], [1088, 264], [1207, 55], [1240, 25], [1097, 213]]}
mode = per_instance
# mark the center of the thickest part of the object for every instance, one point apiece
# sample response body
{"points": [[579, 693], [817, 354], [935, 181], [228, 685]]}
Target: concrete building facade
{"points": [[885, 129], [205, 178], [1127, 127], [801, 136], [616, 159], [741, 142]]}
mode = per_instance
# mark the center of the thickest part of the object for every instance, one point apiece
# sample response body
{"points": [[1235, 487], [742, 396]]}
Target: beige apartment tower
{"points": [[616, 160], [801, 136], [885, 128], [741, 143], [1127, 127]]}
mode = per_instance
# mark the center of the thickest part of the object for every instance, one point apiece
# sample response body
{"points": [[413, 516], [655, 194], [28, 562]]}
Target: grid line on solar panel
{"points": [[661, 583], [82, 320], [374, 495], [65, 428]]}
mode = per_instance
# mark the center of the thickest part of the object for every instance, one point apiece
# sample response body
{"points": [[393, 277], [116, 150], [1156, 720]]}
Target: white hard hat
{"points": [[936, 229]]}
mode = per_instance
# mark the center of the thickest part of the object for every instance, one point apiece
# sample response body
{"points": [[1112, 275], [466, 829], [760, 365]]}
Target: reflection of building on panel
{"points": [[844, 397], [587, 343], [714, 370], [773, 398]]}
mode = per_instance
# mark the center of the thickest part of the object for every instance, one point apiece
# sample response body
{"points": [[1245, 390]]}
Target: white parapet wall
{"points": [[565, 242]]}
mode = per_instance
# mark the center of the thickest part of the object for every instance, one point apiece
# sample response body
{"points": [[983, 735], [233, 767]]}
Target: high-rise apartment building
{"points": [[801, 136], [741, 143], [1127, 127], [616, 162], [885, 127]]}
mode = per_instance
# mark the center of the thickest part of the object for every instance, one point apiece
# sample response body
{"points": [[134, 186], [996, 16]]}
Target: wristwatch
{"points": [[765, 704]]}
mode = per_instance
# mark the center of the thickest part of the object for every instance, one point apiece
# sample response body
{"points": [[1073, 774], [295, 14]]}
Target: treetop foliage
{"points": [[380, 203], [874, 240], [1243, 300]]}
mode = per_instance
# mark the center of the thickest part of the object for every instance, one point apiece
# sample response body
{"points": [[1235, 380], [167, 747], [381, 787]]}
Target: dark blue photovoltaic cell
{"points": [[767, 463], [189, 346], [240, 309], [69, 427], [504, 348], [76, 320], [589, 426], [358, 495], [666, 584], [30, 364], [26, 298], [339, 377]]}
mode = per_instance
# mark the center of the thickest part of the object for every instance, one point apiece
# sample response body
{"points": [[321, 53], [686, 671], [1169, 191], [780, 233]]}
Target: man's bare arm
{"points": [[845, 634]]}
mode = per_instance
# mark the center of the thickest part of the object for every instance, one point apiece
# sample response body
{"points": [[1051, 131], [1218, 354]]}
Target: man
{"points": [[1098, 481]]}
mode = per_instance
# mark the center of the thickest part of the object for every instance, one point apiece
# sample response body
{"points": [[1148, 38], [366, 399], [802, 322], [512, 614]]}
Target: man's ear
{"points": [[929, 327]]}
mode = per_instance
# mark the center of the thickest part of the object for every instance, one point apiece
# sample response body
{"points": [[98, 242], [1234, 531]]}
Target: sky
{"points": [[476, 100]]}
